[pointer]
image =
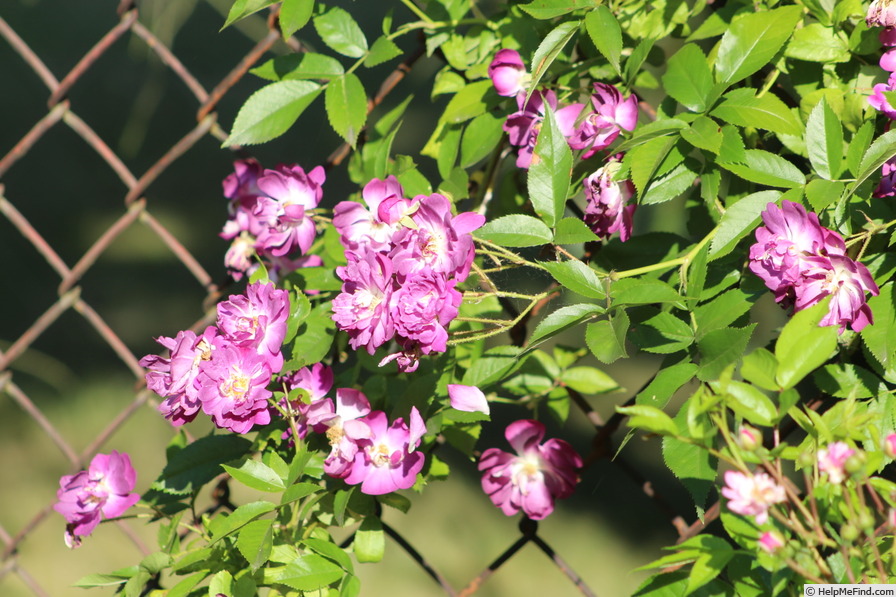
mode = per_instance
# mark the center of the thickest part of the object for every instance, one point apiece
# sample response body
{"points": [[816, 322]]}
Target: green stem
{"points": [[494, 332], [684, 261], [416, 10]]}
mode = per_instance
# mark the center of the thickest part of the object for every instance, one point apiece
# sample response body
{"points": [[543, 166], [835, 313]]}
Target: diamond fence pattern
{"points": [[136, 210]]}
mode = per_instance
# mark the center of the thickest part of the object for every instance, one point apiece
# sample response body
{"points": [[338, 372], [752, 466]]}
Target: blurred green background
{"points": [[71, 196]]}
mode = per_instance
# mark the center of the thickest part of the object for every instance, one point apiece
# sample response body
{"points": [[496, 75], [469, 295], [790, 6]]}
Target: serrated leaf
{"points": [[561, 319], [880, 337], [346, 102], [270, 111], [382, 50], [571, 231], [552, 44], [824, 141], [480, 139], [845, 380], [817, 43], [704, 133], [644, 160], [649, 419], [200, 462], [739, 220], [255, 542], [669, 186], [469, 102], [222, 525], [297, 491], [341, 33], [693, 465], [722, 311], [667, 381], [882, 149], [767, 168], [744, 109], [637, 291], [576, 276], [243, 8], [803, 346], [688, 78], [295, 14], [257, 475], [492, 366], [548, 9], [760, 367], [720, 348], [606, 339], [331, 551], [516, 230], [751, 404], [550, 171], [588, 380], [752, 40], [673, 334], [310, 572], [604, 30], [296, 67]]}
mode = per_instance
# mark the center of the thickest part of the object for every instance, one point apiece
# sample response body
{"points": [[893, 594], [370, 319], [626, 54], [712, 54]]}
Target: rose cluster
{"points": [[803, 262], [269, 217], [365, 449], [226, 370], [588, 128], [405, 257], [101, 491]]}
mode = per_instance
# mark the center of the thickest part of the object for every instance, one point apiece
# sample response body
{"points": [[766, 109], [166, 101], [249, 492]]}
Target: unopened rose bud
{"points": [[855, 464], [507, 72], [849, 532], [866, 521], [890, 445], [749, 438], [771, 541]]}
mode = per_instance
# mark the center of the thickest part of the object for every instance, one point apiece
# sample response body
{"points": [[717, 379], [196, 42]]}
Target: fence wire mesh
{"points": [[66, 93]]}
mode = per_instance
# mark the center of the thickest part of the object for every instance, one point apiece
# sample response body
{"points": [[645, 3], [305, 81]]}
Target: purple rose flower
{"points": [[290, 193], [233, 387], [102, 491], [422, 308], [846, 281], [533, 478], [344, 427], [174, 378], [241, 187], [887, 185], [387, 461], [608, 210], [467, 398], [257, 321], [600, 128], [523, 126], [363, 229], [362, 308], [881, 13], [879, 101], [507, 72]]}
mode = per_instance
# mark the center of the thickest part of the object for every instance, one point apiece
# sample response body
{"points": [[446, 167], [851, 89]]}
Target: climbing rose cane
{"points": [[532, 479], [102, 491]]}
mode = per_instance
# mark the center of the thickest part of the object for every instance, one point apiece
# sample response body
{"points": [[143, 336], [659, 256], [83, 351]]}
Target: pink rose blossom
{"points": [[879, 101], [524, 125], [752, 495], [343, 426], [233, 387], [102, 491], [608, 209], [423, 307], [771, 541], [599, 129], [533, 478], [363, 228], [846, 281], [290, 192], [257, 321], [507, 72], [888, 61], [467, 398], [881, 13], [887, 185], [174, 378], [241, 187], [362, 309], [387, 461], [832, 460]]}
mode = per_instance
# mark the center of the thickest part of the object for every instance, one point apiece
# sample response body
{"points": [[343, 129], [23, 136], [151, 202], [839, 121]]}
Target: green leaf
{"points": [[270, 111], [310, 572], [652, 130], [751, 404], [845, 380], [672, 334], [492, 366], [638, 291], [255, 542], [606, 339], [370, 540], [752, 40], [606, 34], [761, 367], [257, 475], [588, 380], [198, 463], [644, 160], [244, 8], [295, 14], [669, 186], [548, 49], [516, 230], [183, 588], [721, 311], [561, 319], [576, 276], [346, 102], [341, 33], [817, 43], [688, 78], [382, 50], [297, 491], [572, 231], [480, 138], [704, 133], [221, 584], [803, 346], [667, 381], [880, 337], [469, 102], [883, 148], [548, 9], [314, 338], [858, 145], [720, 348], [222, 525], [103, 580], [649, 419], [299, 66], [550, 171], [767, 168], [693, 466], [824, 141], [332, 551], [821, 193], [739, 220], [742, 108]]}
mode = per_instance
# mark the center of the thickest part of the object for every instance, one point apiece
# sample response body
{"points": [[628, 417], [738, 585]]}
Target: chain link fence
{"points": [[46, 297]]}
